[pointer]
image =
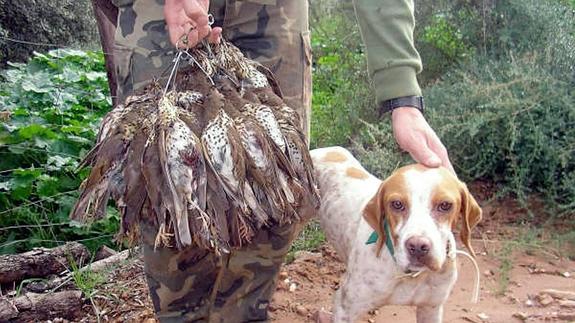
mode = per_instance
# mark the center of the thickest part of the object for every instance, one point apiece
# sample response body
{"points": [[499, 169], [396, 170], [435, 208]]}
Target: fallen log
{"points": [[33, 307], [41, 262]]}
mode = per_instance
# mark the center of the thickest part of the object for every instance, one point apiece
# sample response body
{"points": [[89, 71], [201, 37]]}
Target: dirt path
{"points": [[316, 278], [313, 278]]}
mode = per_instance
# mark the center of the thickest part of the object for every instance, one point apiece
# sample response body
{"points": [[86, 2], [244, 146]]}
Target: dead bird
{"points": [[226, 156]]}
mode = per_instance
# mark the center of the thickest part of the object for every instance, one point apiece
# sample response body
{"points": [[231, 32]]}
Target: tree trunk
{"points": [[34, 307], [41, 262]]}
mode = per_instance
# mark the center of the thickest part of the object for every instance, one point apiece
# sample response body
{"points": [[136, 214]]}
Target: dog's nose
{"points": [[418, 247]]}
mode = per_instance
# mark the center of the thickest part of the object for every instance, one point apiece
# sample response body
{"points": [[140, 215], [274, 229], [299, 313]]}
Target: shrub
{"points": [[506, 114], [512, 122], [341, 90], [50, 110]]}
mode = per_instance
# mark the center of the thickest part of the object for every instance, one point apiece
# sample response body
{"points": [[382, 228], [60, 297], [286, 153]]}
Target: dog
{"points": [[409, 216]]}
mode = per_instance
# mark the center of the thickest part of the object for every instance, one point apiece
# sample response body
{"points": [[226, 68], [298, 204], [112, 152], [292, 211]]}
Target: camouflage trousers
{"points": [[193, 285]]}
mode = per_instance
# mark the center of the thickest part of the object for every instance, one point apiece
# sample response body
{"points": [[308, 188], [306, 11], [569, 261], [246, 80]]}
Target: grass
{"points": [[87, 282], [309, 239], [531, 241], [504, 255]]}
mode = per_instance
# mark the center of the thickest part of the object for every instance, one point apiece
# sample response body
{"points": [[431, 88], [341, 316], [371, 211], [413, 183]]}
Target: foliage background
{"points": [[498, 81], [51, 109]]}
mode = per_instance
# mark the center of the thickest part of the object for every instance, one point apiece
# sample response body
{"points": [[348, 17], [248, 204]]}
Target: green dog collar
{"points": [[388, 242]]}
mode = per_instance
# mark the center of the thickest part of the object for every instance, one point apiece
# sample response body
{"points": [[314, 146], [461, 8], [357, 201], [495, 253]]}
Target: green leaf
{"points": [[56, 163], [70, 75], [47, 186], [38, 82], [32, 131], [93, 76], [5, 186], [22, 181]]}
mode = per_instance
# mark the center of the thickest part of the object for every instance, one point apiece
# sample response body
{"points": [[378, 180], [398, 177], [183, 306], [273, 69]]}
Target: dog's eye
{"points": [[397, 205], [444, 206]]}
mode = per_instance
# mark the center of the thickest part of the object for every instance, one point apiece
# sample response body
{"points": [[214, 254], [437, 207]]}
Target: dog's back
{"points": [[345, 188]]}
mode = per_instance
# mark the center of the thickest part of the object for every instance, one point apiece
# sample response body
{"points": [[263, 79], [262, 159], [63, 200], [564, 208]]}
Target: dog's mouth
{"points": [[428, 263], [413, 268]]}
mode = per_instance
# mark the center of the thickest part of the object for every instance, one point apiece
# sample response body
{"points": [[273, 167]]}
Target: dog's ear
{"points": [[471, 215], [374, 214]]}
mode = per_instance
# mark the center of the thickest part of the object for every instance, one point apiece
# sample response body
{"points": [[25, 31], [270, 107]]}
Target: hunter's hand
{"points": [[185, 15], [414, 135]]}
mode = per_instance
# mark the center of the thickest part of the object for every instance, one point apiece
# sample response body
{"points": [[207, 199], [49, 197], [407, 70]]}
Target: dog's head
{"points": [[422, 206]]}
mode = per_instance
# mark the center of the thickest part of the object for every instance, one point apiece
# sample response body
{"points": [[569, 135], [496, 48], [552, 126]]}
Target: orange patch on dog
{"points": [[356, 173], [334, 157]]}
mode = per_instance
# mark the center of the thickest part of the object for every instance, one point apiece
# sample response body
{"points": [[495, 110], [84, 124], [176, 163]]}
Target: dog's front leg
{"points": [[429, 314], [358, 293]]}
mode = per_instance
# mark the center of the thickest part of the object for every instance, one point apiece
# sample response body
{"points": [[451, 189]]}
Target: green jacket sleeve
{"points": [[392, 60]]}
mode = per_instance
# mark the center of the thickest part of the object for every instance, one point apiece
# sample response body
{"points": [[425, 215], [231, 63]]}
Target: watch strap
{"points": [[404, 101]]}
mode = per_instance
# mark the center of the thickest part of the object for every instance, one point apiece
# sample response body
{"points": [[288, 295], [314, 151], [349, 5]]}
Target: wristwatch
{"points": [[404, 101]]}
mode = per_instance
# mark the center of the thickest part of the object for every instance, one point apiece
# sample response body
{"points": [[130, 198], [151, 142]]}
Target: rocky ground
{"points": [[526, 275], [308, 283]]}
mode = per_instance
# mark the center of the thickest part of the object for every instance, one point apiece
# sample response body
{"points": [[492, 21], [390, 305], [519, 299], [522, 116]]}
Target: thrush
{"points": [[108, 157], [225, 155], [206, 168], [261, 163]]}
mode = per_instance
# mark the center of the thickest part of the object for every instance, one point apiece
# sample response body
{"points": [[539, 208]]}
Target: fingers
{"points": [[215, 35], [188, 18], [414, 135], [422, 153], [440, 150]]}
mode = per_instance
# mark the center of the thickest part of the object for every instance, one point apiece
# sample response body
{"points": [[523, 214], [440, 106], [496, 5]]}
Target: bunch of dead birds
{"points": [[209, 162]]}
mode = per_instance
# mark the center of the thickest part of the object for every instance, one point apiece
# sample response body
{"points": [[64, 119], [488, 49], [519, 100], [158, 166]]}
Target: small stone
{"points": [[283, 275], [482, 316], [521, 315], [569, 316], [307, 256], [544, 299], [566, 274], [301, 310], [513, 299], [370, 321], [559, 293], [529, 303], [292, 287], [488, 273]]}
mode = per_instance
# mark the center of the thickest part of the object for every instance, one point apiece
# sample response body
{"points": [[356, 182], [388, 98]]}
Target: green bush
{"points": [[50, 110], [505, 113], [341, 90], [512, 122]]}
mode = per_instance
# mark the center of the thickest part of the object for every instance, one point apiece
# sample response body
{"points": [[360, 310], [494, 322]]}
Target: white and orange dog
{"points": [[410, 217]]}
